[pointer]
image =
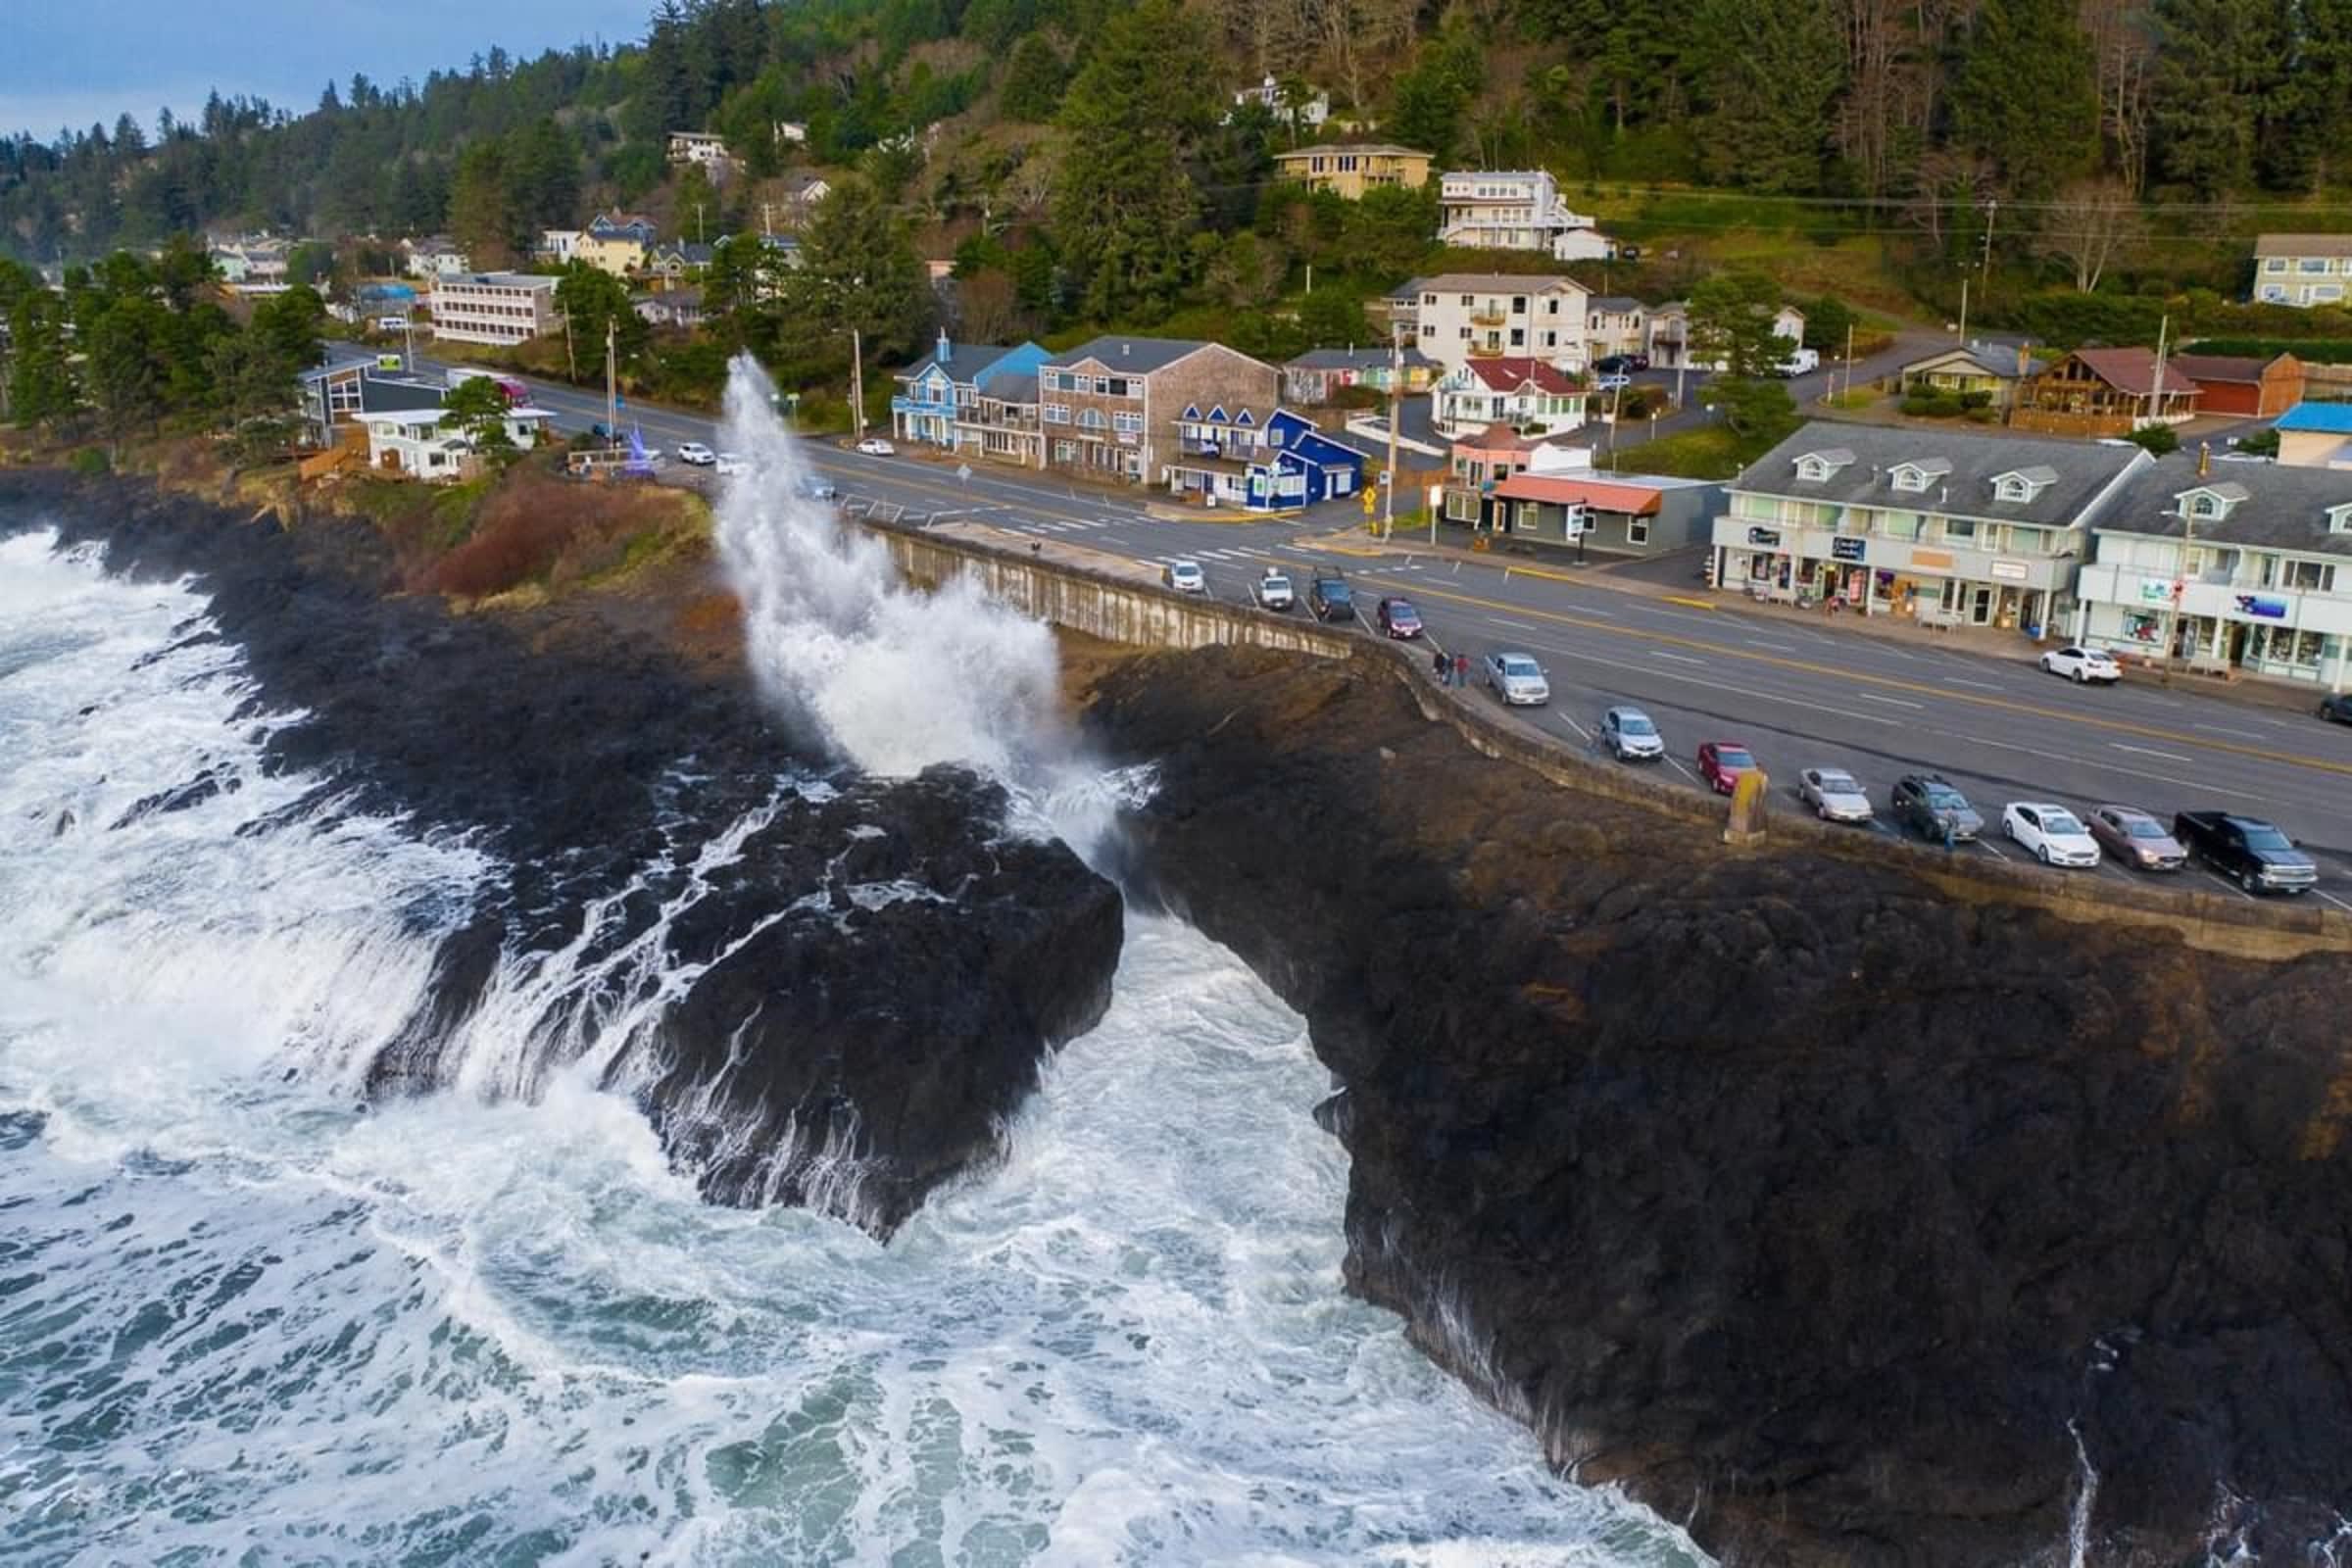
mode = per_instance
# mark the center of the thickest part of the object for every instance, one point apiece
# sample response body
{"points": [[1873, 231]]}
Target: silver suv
{"points": [[1630, 735]]}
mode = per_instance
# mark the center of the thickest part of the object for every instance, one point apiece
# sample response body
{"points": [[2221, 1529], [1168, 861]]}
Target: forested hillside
{"points": [[1081, 153]]}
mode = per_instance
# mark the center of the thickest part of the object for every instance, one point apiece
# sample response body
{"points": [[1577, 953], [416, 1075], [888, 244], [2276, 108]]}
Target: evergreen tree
{"points": [[1124, 204], [1427, 103], [1033, 82], [543, 176], [120, 368], [40, 385], [481, 215], [857, 270], [1333, 318], [590, 300], [2025, 98], [2305, 141], [2217, 63], [476, 408], [1773, 67], [1732, 324]]}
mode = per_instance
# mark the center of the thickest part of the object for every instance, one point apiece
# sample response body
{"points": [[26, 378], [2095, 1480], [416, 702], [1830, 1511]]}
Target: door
{"points": [[1979, 609]]}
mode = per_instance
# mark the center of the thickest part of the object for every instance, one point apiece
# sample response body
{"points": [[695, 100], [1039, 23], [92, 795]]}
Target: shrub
{"points": [[2157, 438], [1984, 416], [1970, 402], [541, 527], [89, 461]]}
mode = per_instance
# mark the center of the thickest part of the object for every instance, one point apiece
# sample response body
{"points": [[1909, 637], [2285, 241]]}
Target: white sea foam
{"points": [[245, 1320]]}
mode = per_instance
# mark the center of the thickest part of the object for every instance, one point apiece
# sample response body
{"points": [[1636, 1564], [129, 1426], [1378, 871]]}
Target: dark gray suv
{"points": [[1927, 804]]}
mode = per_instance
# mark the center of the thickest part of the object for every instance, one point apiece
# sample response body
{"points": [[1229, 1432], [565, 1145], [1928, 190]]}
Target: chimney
{"points": [[946, 352], [2204, 459]]}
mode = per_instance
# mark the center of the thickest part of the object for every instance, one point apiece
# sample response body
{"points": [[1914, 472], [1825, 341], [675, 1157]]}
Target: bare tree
{"points": [[991, 311], [1946, 182], [2090, 226], [2123, 42]]}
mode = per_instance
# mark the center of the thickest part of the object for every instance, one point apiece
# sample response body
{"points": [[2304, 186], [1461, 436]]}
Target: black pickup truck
{"points": [[2254, 854], [1329, 597]]}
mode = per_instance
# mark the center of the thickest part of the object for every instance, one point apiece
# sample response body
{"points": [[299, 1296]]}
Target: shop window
{"points": [[1636, 530], [2312, 577]]}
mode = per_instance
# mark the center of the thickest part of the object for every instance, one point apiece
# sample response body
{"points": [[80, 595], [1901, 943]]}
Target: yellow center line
{"points": [[2006, 704]]}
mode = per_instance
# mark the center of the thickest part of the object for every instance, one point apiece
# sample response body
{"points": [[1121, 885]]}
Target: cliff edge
{"points": [[1853, 1221]]}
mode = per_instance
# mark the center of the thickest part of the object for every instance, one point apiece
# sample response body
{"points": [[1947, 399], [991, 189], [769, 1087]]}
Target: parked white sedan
{"points": [[696, 454], [1834, 795], [2081, 665], [731, 462], [2053, 834], [874, 445]]}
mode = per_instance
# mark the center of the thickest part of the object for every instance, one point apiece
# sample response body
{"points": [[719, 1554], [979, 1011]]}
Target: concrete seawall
{"points": [[1121, 602]]}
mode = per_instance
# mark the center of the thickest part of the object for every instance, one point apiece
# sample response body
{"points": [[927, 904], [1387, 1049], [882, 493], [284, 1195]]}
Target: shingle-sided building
{"points": [[1112, 406], [1941, 525]]}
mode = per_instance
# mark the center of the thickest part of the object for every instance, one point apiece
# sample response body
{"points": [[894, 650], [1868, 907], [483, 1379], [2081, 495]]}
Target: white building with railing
{"points": [[2227, 566], [494, 307], [1515, 209]]}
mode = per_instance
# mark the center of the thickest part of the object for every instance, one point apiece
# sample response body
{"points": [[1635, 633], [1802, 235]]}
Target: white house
{"points": [[1310, 112], [1515, 209], [1455, 316], [415, 444], [1528, 395], [2302, 270], [2232, 566], [435, 256], [1669, 334], [699, 147], [558, 245]]}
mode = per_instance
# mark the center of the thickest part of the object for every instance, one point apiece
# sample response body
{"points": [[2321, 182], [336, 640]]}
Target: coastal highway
{"points": [[1799, 693]]}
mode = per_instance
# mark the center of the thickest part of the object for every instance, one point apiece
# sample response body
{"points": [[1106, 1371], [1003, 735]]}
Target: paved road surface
{"points": [[1800, 695]]}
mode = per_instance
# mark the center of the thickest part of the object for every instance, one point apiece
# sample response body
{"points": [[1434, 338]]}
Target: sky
{"points": [[74, 62]]}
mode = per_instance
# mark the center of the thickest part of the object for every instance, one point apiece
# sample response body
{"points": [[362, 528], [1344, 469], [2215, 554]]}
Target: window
{"points": [[2327, 291], [1057, 414], [1064, 451], [1636, 530], [2313, 265], [1132, 424], [2313, 576], [1091, 419], [2204, 507], [1959, 530], [2276, 263], [1908, 476]]}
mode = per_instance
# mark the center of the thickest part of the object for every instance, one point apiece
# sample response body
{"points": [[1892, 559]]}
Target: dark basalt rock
{"points": [[880, 961], [1821, 1210]]}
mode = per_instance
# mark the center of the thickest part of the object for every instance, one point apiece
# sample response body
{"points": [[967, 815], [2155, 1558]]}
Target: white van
{"points": [[1801, 363]]}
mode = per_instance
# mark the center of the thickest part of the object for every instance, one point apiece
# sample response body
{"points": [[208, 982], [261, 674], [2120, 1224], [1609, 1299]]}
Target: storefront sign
{"points": [[1764, 538], [2152, 592], [2268, 609], [2010, 570], [1932, 560], [1842, 548]]}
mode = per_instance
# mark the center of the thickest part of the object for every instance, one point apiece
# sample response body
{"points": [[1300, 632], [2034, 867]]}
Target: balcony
{"points": [[945, 406], [1491, 316]]}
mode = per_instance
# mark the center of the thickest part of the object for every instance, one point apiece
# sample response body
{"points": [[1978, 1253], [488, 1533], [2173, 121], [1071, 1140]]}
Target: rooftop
{"points": [[2269, 504], [1489, 284], [1510, 374], [1374, 149], [1123, 351], [1607, 494], [2133, 371], [1369, 357], [2328, 419], [2224, 367], [1861, 455], [2303, 245]]}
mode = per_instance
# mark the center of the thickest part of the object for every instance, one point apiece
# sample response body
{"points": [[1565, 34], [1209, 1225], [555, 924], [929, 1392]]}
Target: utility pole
{"points": [[857, 380], [1849, 359], [698, 223], [2156, 388], [1387, 516], [1992, 205], [1962, 339], [611, 384], [2171, 622]]}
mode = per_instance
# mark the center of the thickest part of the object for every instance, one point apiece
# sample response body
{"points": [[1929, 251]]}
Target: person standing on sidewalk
{"points": [[1461, 669], [1439, 664]]}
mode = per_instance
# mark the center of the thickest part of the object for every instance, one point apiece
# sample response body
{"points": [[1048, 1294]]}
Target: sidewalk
{"points": [[1620, 575]]}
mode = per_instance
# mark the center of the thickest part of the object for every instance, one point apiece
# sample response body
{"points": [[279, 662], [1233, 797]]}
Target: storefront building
{"points": [[2227, 568], [1942, 527]]}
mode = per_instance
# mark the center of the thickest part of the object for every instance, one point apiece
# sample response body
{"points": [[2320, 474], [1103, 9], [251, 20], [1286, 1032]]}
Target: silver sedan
{"points": [[1834, 795]]}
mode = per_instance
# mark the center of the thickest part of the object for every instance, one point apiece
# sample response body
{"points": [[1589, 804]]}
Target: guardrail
{"points": [[1138, 612]]}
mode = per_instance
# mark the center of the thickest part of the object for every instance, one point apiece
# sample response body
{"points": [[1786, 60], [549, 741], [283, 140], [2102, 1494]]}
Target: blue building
{"points": [[959, 399], [1275, 463]]}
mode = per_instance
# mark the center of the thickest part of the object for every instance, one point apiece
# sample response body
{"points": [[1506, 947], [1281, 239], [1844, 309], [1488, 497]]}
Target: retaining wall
{"points": [[1124, 610]]}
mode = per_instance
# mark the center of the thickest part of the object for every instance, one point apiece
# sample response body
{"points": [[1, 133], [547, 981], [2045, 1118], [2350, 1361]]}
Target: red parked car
{"points": [[1399, 618], [1721, 762]]}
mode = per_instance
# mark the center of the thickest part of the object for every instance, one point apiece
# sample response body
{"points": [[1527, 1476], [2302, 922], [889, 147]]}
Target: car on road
{"points": [[731, 462], [2050, 833], [696, 454], [2136, 838], [2338, 707], [1834, 795], [1185, 576], [1274, 590], [2246, 849], [817, 488], [874, 445], [1722, 764], [2083, 665], [1620, 364], [1927, 804], [1612, 383], [1517, 679], [1804, 362], [1630, 736], [1328, 596], [1399, 619]]}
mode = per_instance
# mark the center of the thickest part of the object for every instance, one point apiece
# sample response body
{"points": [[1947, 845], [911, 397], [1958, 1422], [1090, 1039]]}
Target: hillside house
{"points": [[1316, 376], [2103, 392], [674, 307], [1515, 209], [1114, 407], [620, 255], [1456, 316], [2302, 270], [941, 400], [624, 226], [1977, 369], [435, 256], [1615, 323], [2255, 388], [1528, 395], [1350, 168], [1669, 334], [699, 147], [1307, 109]]}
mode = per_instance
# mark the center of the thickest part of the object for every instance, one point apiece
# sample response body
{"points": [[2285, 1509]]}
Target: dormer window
{"points": [[1819, 466], [1917, 477], [2210, 503], [2339, 518], [2021, 485]]}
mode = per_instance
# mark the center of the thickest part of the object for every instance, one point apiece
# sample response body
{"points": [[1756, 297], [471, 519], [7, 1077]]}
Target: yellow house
{"points": [[1350, 168], [620, 257]]}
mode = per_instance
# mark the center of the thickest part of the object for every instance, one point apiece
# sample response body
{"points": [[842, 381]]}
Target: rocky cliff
{"points": [[1852, 1222], [833, 990]]}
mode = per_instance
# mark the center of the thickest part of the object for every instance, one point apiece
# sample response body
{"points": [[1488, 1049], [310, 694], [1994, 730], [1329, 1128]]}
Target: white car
{"points": [[2081, 665], [1612, 383], [1274, 590], [729, 463], [700, 455], [1834, 795], [1185, 576], [874, 445], [2054, 834], [1518, 680]]}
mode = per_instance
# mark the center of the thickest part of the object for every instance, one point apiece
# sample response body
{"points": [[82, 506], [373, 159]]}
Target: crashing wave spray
{"points": [[897, 678]]}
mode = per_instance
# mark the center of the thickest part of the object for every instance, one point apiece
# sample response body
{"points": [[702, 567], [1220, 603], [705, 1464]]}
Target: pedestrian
{"points": [[1439, 664], [1461, 669]]}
